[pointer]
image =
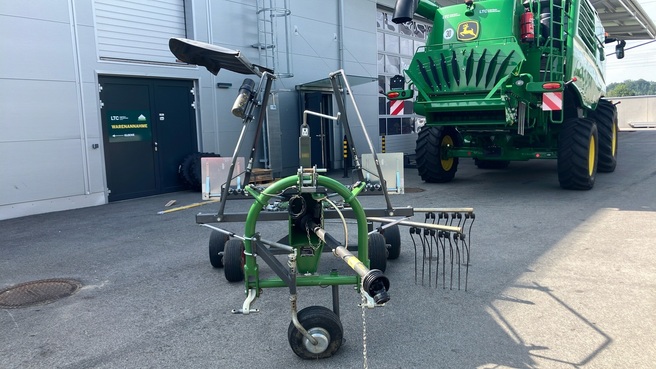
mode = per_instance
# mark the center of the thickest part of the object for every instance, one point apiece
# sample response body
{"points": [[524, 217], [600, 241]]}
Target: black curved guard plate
{"points": [[212, 57]]}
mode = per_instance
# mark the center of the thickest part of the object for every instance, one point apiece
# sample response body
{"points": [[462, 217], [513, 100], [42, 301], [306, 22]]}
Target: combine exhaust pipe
{"points": [[404, 10]]}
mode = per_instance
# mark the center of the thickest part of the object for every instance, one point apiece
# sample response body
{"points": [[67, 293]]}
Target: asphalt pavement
{"points": [[558, 279]]}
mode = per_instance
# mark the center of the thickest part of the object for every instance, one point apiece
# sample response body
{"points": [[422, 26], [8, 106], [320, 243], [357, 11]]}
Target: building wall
{"points": [[51, 154], [635, 110]]}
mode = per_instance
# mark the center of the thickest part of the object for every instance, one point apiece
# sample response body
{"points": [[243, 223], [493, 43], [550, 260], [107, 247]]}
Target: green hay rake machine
{"points": [[304, 201]]}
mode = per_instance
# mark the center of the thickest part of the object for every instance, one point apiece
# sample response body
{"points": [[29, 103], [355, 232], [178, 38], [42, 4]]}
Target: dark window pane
{"points": [[407, 125], [394, 126], [381, 127], [382, 106], [382, 88]]}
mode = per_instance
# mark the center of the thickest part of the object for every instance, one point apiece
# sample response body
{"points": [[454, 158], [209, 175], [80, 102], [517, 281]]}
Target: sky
{"points": [[638, 63]]}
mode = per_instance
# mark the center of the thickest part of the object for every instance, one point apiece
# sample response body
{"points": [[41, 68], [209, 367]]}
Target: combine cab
{"points": [[501, 81]]}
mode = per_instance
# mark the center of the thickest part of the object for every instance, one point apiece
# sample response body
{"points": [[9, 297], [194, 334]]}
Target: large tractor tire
{"points": [[606, 118], [577, 154], [432, 166]]}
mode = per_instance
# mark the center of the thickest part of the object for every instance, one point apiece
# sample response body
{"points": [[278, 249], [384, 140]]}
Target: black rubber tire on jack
{"points": [[432, 167], [577, 154], [606, 118], [322, 324], [217, 245], [233, 260], [377, 252], [393, 239]]}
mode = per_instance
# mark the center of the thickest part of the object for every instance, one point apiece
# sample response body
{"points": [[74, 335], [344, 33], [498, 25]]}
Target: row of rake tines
{"points": [[435, 244]]}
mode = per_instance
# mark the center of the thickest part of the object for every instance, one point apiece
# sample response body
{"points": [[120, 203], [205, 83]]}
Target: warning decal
{"points": [[396, 107], [552, 101]]}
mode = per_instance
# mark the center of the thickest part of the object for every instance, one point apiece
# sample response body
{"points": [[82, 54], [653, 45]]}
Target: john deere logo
{"points": [[468, 31]]}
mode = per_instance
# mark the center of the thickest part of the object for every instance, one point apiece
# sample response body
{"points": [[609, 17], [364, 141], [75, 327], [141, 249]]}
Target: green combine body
{"points": [[502, 81]]}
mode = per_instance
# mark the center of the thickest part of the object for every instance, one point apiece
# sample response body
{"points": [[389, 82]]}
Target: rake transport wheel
{"points": [[377, 252], [217, 244], [233, 260], [606, 118], [577, 154], [491, 164], [432, 165], [393, 239], [322, 324]]}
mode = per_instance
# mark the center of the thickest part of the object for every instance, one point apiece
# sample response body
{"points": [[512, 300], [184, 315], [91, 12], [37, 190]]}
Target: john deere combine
{"points": [[503, 80]]}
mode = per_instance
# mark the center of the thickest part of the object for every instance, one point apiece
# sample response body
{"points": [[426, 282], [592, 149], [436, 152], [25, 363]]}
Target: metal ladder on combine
{"points": [[554, 61]]}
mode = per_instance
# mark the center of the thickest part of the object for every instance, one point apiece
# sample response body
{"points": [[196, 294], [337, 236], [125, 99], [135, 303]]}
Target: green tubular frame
{"points": [[251, 271]]}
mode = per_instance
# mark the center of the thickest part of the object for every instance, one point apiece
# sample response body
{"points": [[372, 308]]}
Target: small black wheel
{"points": [[217, 244], [233, 260], [491, 164], [377, 252], [322, 324], [393, 239]]}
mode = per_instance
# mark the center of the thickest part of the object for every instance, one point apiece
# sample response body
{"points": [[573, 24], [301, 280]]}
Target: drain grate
{"points": [[40, 292]]}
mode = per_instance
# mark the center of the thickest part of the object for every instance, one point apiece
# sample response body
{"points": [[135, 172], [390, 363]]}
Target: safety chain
{"points": [[364, 331], [307, 231]]}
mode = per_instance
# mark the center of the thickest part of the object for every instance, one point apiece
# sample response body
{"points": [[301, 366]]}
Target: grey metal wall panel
{"points": [[38, 110], [47, 170], [128, 30], [37, 49]]}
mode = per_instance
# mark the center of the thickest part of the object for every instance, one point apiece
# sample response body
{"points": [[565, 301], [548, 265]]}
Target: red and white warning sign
{"points": [[552, 101], [396, 107]]}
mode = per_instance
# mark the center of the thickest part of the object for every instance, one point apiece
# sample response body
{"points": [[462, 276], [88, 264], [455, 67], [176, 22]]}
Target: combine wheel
{"points": [[377, 252], [233, 260], [491, 164], [606, 118], [322, 324], [432, 164], [393, 239], [577, 154], [217, 244]]}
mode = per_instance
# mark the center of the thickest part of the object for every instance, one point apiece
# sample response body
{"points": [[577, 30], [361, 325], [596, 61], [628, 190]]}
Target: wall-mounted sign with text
{"points": [[128, 125]]}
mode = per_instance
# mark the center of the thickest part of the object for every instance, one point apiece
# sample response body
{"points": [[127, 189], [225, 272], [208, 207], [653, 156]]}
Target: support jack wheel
{"points": [[377, 252], [322, 324], [217, 245], [393, 239], [233, 260]]}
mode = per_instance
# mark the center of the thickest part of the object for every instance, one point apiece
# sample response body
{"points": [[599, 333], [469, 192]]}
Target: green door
{"points": [[149, 126]]}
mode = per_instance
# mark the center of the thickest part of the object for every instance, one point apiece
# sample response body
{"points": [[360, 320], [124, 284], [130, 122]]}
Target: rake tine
{"points": [[456, 237], [451, 258], [429, 242], [412, 232], [442, 244], [466, 247], [434, 240], [424, 241]]}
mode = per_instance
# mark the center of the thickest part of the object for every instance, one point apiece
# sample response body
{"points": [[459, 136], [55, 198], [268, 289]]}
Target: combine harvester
{"points": [[304, 201], [501, 81]]}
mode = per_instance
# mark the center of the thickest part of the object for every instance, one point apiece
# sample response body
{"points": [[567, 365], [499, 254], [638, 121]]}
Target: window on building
{"points": [[396, 46]]}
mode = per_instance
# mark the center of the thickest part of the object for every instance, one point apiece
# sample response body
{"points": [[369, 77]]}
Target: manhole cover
{"points": [[413, 190], [37, 292]]}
